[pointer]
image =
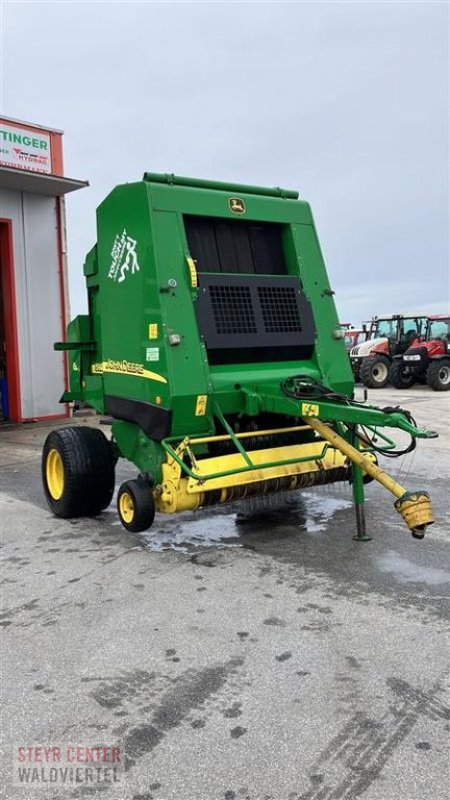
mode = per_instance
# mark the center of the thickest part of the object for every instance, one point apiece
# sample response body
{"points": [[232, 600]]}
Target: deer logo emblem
{"points": [[236, 205]]}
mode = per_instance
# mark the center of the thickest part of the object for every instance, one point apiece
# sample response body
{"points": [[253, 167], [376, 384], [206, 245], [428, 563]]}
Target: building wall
{"points": [[38, 300]]}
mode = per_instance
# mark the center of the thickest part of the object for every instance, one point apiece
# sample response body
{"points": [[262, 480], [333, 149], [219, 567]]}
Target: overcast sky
{"points": [[346, 102]]}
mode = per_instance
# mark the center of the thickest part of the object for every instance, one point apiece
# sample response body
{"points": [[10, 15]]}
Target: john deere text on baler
{"points": [[212, 342]]}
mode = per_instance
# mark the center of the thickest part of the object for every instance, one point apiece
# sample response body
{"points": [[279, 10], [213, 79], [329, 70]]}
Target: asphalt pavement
{"points": [[276, 659]]}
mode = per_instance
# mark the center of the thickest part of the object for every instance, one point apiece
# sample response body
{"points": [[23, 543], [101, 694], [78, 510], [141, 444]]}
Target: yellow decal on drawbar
{"points": [[153, 330], [200, 408], [310, 410]]}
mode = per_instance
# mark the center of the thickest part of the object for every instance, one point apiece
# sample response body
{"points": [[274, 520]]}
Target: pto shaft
{"points": [[415, 507]]}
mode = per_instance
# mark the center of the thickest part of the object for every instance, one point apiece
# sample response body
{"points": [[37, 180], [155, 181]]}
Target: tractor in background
{"points": [[427, 360], [387, 337], [352, 335]]}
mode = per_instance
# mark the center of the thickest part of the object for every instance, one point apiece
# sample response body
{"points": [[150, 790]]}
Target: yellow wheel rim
{"points": [[126, 507], [54, 472]]}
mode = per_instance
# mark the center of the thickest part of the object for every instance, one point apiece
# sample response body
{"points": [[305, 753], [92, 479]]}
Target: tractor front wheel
{"points": [[438, 375], [375, 371], [399, 377], [356, 372], [136, 506], [78, 471]]}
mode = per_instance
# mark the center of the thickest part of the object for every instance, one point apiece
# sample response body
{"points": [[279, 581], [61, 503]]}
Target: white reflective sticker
{"points": [[152, 354]]}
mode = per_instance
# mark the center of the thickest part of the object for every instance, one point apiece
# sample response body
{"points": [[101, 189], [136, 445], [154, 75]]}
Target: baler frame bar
{"points": [[328, 411], [187, 442]]}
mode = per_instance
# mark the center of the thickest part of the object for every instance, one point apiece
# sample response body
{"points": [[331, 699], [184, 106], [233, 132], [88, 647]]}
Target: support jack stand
{"points": [[358, 499]]}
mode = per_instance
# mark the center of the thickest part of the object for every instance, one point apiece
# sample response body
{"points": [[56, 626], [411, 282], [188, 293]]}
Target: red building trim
{"points": [[56, 153], [10, 316]]}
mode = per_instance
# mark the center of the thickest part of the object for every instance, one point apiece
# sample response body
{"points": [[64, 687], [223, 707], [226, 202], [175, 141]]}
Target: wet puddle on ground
{"points": [[235, 524], [407, 571]]}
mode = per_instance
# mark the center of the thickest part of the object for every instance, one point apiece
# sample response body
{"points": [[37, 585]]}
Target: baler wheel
{"points": [[375, 371], [78, 472], [136, 506]]}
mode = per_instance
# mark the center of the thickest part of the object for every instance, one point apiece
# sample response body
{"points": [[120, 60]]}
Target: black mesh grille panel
{"points": [[253, 317], [279, 307], [232, 309]]}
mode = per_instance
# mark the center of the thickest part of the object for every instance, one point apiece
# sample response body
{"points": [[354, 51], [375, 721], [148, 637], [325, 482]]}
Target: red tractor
{"points": [[428, 358]]}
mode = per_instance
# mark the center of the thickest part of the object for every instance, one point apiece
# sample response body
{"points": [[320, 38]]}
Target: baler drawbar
{"points": [[213, 348]]}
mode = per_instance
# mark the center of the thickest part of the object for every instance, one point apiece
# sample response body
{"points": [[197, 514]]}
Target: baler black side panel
{"points": [[153, 420], [235, 246], [250, 317], [258, 355]]}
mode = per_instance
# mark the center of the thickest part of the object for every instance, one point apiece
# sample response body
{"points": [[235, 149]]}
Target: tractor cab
{"points": [[353, 336], [438, 329], [398, 331]]}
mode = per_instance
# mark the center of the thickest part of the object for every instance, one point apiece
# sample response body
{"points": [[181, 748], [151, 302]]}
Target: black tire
{"points": [[374, 371], [135, 506], [399, 378], [84, 461], [438, 375]]}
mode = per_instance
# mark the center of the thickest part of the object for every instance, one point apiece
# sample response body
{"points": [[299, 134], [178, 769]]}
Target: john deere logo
{"points": [[237, 205]]}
